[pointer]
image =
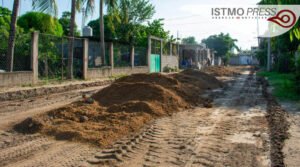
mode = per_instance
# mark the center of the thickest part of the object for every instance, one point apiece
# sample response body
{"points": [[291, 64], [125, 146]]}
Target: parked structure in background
{"points": [[245, 58], [197, 56]]}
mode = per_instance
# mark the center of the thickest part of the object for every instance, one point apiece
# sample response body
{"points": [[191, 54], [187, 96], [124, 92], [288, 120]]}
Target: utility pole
{"points": [[269, 55], [177, 36]]}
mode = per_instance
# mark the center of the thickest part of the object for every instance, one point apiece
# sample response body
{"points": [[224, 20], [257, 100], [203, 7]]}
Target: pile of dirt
{"points": [[127, 105], [219, 71], [29, 125], [278, 125]]}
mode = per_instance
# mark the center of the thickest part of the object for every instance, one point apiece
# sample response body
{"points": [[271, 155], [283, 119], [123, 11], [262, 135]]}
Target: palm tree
{"points": [[12, 34], [50, 5], [71, 41], [111, 4], [76, 5]]}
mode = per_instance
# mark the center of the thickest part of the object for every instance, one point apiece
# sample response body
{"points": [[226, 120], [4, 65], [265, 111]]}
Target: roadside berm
{"points": [[124, 107]]}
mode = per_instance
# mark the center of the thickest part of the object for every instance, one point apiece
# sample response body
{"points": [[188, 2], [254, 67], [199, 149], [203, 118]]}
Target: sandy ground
{"points": [[17, 110], [232, 133], [292, 145]]}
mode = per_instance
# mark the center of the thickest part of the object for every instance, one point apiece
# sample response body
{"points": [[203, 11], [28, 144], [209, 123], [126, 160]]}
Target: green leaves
{"points": [[48, 6], [41, 22], [189, 40], [221, 43]]}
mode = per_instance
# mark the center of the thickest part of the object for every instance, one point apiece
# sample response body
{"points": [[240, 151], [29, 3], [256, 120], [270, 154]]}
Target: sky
{"points": [[183, 17]]}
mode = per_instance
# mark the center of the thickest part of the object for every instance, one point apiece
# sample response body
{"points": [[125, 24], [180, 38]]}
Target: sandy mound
{"points": [[29, 125], [126, 105], [219, 71]]}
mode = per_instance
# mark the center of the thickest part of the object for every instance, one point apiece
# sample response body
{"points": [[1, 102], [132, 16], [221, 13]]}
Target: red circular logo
{"points": [[284, 18]]}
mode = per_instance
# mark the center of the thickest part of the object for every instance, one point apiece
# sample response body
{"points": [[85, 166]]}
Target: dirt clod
{"points": [[29, 125], [90, 101], [84, 119]]}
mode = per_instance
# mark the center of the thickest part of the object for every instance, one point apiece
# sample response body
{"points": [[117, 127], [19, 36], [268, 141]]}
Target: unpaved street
{"points": [[232, 133]]}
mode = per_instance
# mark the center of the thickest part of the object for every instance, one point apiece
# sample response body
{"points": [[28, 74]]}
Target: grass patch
{"points": [[284, 84], [118, 76]]}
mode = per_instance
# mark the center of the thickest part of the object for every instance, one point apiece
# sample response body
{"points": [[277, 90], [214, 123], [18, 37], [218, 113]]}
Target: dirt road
{"points": [[232, 133]]}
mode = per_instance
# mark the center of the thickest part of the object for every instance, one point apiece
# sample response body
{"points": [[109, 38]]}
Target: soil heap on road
{"points": [[126, 106]]}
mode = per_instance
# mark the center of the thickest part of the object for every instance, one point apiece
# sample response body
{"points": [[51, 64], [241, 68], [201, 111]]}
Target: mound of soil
{"points": [[126, 105], [102, 128], [219, 71], [29, 125]]}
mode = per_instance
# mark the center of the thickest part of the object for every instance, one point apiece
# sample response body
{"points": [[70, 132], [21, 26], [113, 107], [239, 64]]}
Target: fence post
{"points": [[34, 56], [111, 57], [132, 56], [85, 57], [149, 53], [171, 49], [161, 54]]}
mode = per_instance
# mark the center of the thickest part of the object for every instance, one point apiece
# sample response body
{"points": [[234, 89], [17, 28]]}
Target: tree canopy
{"points": [[41, 22], [65, 21], [221, 43], [129, 27], [189, 40]]}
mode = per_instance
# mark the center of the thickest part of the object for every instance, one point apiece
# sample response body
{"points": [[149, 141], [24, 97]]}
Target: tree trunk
{"points": [[102, 42], [12, 34], [71, 41]]}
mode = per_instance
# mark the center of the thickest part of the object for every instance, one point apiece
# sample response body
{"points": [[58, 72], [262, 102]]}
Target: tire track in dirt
{"points": [[35, 150], [19, 147], [14, 111], [234, 133]]}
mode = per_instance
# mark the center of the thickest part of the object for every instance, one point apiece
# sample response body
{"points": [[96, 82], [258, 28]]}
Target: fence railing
{"points": [[22, 50], [95, 58], [53, 57]]}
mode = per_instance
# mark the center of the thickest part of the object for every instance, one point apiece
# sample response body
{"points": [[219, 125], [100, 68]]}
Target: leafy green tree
{"points": [[41, 22], [132, 14], [65, 22], [109, 34], [221, 43], [189, 40]]}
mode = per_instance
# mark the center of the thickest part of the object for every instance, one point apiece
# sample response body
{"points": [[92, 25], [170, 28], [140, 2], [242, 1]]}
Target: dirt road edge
{"points": [[278, 125], [35, 92]]}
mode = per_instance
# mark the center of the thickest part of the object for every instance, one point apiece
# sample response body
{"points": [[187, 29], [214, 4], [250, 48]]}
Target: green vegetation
{"points": [[65, 21], [284, 49], [189, 40], [284, 84], [41, 22], [222, 44], [118, 76], [129, 27], [170, 69]]}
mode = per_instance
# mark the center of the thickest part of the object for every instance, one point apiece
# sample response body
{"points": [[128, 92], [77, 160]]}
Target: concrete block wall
{"points": [[170, 61], [93, 73], [19, 78], [16, 78]]}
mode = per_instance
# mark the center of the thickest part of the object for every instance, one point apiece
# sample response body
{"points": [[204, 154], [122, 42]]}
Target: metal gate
{"points": [[155, 63]]}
